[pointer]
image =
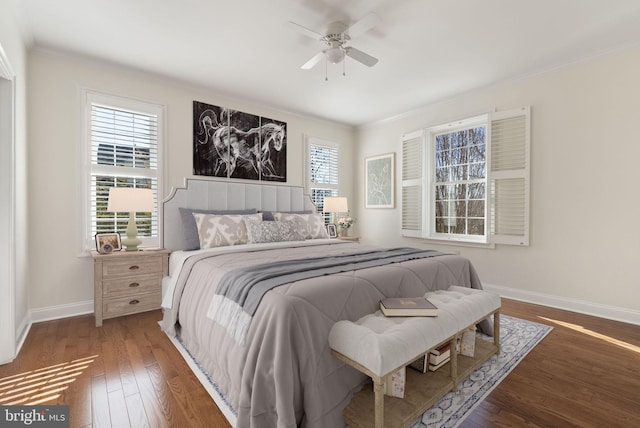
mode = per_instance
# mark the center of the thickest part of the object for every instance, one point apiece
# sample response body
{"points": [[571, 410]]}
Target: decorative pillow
{"points": [[268, 215], [272, 231], [190, 229], [311, 225], [221, 230]]}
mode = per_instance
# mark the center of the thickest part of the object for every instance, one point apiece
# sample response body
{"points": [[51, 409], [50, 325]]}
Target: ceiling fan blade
{"points": [[363, 25], [362, 57], [305, 31], [313, 61]]}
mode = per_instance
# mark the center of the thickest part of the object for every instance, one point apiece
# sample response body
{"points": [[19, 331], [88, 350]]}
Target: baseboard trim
{"points": [[47, 314], [23, 332], [589, 308], [61, 311]]}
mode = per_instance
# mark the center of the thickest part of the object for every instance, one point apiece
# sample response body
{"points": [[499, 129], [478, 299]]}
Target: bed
{"points": [[277, 369]]}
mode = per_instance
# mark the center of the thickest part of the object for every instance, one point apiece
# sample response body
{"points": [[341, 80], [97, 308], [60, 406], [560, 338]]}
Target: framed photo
{"points": [[332, 231], [379, 179], [108, 242]]}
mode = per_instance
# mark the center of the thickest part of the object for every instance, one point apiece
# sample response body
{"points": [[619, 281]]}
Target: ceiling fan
{"points": [[337, 36]]}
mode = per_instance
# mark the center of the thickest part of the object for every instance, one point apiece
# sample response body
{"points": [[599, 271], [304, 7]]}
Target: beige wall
{"points": [[60, 276], [585, 239], [14, 48]]}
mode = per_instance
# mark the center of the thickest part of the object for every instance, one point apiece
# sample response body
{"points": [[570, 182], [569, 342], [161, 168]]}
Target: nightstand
{"points": [[350, 238], [127, 282]]}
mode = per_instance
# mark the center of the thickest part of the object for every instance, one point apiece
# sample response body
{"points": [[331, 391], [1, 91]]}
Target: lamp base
{"points": [[131, 242]]}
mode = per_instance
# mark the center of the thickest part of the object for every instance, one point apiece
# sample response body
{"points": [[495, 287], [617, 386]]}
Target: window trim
{"points": [[87, 98]]}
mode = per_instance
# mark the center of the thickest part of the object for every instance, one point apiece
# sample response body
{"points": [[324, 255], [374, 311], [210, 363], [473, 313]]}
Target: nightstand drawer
{"points": [[131, 285], [135, 266], [131, 304]]}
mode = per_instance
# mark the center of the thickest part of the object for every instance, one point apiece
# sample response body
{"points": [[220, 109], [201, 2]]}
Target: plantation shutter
{"points": [[124, 151], [509, 176], [322, 177], [412, 183]]}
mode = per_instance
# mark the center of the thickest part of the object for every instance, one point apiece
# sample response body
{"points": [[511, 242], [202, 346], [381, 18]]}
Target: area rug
{"points": [[517, 338]]}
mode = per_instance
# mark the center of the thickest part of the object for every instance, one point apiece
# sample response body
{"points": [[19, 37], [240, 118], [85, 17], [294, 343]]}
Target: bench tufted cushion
{"points": [[382, 344]]}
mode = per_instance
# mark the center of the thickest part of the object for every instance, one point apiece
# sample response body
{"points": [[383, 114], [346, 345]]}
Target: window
{"points": [[468, 181], [122, 148], [459, 177], [322, 172]]}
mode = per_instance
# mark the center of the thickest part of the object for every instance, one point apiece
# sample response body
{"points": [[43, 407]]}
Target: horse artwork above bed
{"points": [[233, 144], [252, 312]]}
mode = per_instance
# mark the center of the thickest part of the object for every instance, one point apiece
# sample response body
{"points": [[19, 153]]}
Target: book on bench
{"points": [[408, 307]]}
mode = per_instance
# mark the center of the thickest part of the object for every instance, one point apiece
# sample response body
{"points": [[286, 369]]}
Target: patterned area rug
{"points": [[518, 337]]}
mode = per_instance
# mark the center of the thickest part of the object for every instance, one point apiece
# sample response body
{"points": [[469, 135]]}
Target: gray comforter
{"points": [[285, 375]]}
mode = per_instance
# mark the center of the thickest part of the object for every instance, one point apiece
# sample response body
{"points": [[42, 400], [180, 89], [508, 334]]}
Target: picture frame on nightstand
{"points": [[108, 242], [332, 230]]}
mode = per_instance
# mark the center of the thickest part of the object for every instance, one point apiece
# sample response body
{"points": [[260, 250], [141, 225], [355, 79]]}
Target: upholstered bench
{"points": [[378, 346]]}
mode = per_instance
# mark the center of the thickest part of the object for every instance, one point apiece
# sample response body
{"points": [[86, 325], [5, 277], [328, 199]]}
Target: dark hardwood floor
{"points": [[585, 373]]}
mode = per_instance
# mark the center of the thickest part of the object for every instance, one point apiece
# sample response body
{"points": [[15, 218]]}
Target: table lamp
{"points": [[335, 204], [131, 200]]}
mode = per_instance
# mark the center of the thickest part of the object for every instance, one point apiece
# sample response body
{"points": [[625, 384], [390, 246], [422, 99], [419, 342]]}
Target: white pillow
{"points": [[222, 230], [311, 225]]}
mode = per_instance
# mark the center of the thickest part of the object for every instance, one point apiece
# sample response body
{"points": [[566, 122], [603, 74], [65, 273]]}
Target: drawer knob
{"points": [[134, 284], [134, 267], [134, 302]]}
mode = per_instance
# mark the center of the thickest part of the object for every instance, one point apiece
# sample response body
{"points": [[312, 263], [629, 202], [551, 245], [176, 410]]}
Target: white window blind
{"points": [[412, 183], [124, 141], [322, 167], [509, 173]]}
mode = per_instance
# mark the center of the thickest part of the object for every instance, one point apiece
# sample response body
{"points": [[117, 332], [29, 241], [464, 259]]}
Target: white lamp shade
{"points": [[335, 204], [129, 199]]}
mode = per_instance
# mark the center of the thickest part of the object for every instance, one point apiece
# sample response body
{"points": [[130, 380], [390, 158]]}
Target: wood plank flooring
{"points": [[585, 373], [123, 374]]}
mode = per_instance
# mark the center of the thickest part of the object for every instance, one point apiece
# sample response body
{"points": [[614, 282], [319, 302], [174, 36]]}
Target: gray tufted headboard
{"points": [[226, 195]]}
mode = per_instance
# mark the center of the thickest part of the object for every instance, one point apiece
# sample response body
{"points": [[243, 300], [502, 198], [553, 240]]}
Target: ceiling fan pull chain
{"points": [[326, 77], [344, 67]]}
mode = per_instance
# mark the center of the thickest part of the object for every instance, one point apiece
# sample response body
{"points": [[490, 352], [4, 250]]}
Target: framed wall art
{"points": [[379, 176], [233, 144]]}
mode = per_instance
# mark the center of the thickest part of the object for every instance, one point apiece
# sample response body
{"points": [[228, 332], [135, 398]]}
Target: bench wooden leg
{"points": [[453, 361], [378, 389]]}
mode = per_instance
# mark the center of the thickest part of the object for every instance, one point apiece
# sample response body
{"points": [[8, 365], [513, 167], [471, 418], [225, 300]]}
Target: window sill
{"points": [[458, 243]]}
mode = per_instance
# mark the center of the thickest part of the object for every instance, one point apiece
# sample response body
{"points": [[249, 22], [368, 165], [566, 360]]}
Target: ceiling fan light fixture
{"points": [[334, 55]]}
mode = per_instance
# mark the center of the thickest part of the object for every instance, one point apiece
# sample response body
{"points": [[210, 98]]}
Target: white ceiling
{"points": [[428, 50]]}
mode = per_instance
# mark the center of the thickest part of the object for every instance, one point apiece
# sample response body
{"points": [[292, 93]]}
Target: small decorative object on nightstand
{"points": [[344, 223], [128, 282]]}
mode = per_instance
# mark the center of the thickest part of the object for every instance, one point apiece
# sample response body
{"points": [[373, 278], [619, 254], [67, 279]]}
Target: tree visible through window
{"points": [[460, 181]]}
